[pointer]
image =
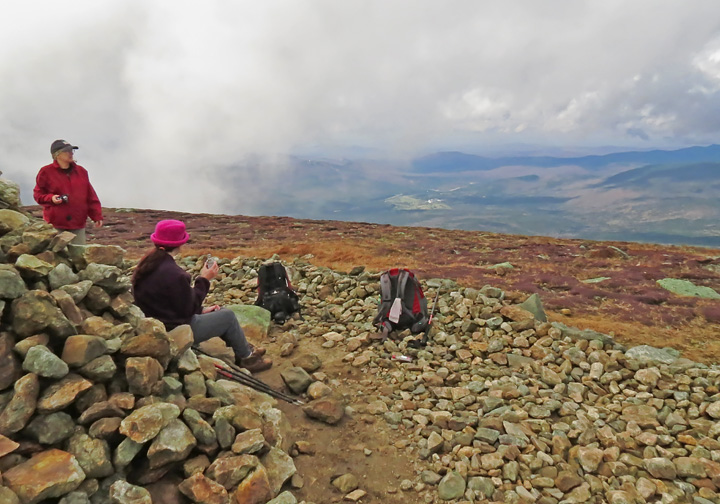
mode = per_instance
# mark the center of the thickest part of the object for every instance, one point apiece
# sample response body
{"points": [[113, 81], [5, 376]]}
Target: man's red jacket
{"points": [[82, 200]]}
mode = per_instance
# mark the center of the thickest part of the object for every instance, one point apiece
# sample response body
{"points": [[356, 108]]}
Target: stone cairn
{"points": [[99, 404]]}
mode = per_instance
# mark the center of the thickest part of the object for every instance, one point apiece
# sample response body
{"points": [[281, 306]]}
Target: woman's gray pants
{"points": [[222, 323]]}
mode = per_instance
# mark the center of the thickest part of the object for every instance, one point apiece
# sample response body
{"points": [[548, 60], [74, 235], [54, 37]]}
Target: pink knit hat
{"points": [[170, 233]]}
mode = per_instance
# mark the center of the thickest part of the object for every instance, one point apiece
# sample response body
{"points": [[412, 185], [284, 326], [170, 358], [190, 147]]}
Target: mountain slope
{"points": [[628, 302]]}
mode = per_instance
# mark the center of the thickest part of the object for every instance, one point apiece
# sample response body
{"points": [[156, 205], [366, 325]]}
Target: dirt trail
{"points": [[341, 448]]}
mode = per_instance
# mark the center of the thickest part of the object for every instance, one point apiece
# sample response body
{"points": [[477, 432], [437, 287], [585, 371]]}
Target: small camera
{"points": [[64, 198], [210, 261]]}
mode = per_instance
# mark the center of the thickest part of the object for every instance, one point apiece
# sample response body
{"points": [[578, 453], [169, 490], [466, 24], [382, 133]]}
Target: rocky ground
{"points": [[500, 406], [610, 287]]}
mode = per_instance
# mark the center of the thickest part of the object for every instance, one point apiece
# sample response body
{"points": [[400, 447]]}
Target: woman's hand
{"points": [[208, 309], [56, 199], [210, 272]]}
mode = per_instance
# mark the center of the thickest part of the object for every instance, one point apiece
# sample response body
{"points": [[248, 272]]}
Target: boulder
{"points": [[199, 488], [36, 311], [11, 283], [146, 422], [17, 413], [41, 361], [46, 475], [11, 220], [254, 320]]}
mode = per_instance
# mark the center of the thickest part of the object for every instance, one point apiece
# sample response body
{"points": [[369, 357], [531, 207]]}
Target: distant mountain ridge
{"points": [[459, 161], [696, 172], [661, 196]]}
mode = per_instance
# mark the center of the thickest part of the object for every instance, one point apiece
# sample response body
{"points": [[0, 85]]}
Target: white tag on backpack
{"points": [[395, 311]]}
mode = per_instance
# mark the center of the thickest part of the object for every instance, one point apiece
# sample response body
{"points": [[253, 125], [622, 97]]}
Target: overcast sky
{"points": [[157, 93]]}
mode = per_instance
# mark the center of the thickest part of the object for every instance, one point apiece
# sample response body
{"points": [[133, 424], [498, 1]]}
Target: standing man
{"points": [[64, 191]]}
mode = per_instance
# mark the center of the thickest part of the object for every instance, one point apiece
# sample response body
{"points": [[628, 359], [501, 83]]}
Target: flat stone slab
{"points": [[687, 288]]}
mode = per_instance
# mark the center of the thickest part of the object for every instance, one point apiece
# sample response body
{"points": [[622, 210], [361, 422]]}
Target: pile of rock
{"points": [[100, 404], [504, 407]]}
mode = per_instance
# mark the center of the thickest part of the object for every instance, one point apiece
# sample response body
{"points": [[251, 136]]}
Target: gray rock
{"points": [[51, 429], [452, 486], [284, 498], [108, 277], [93, 455], [346, 483], [534, 305], [651, 355], [482, 485], [297, 379], [279, 466], [11, 283], [41, 361], [31, 267], [78, 290], [687, 288], [62, 275], [122, 492], [35, 312], [11, 220], [586, 334], [172, 444]]}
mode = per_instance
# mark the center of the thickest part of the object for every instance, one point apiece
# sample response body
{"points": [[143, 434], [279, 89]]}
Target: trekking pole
{"points": [[236, 374], [256, 385], [423, 342]]}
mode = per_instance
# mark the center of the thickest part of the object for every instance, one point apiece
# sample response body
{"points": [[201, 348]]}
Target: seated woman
{"points": [[163, 290]]}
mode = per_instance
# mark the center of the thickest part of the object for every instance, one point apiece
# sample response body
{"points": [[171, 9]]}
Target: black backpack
{"points": [[275, 293], [402, 303]]}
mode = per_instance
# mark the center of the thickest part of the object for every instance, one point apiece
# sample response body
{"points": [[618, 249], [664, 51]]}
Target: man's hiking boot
{"points": [[255, 362]]}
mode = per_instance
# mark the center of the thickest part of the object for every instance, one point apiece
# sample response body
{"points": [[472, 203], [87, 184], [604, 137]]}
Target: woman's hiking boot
{"points": [[257, 350], [255, 362]]}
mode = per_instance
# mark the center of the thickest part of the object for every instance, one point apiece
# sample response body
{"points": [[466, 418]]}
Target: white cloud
{"points": [[159, 94]]}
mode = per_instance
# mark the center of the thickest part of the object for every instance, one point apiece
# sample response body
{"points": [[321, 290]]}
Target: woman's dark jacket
{"points": [[168, 295]]}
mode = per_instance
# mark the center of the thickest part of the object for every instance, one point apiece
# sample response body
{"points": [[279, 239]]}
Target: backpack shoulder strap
{"points": [[385, 287], [402, 282]]}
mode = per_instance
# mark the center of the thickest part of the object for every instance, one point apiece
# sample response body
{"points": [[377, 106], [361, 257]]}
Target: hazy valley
{"points": [[655, 196]]}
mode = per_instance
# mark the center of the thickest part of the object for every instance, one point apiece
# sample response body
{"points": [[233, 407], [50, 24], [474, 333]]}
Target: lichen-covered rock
{"points": [[62, 275], [201, 489], [229, 471], [151, 340], [279, 467], [82, 348], [108, 277], [146, 422], [41, 361], [36, 311], [51, 429], [122, 492], [62, 393], [144, 375], [11, 220], [10, 366], [11, 283], [254, 320], [84, 255], [32, 267], [92, 454], [48, 474], [16, 414], [255, 488]]}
